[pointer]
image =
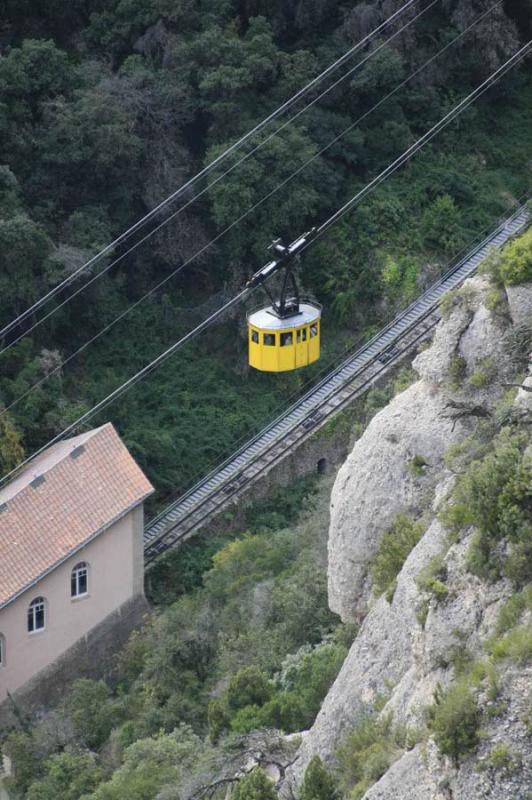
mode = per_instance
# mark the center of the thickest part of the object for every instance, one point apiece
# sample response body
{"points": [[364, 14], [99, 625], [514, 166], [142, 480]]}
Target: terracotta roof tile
{"points": [[80, 496]]}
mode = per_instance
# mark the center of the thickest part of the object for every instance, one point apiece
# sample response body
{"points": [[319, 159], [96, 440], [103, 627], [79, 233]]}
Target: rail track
{"points": [[333, 393]]}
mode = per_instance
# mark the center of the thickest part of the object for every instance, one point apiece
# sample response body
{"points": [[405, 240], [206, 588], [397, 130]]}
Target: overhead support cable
{"points": [[204, 172], [299, 245], [57, 369]]}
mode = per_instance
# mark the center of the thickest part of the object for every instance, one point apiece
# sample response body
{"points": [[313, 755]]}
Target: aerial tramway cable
{"points": [[203, 173], [57, 369], [298, 246]]}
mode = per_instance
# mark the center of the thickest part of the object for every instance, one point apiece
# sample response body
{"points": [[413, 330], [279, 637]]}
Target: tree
{"points": [[441, 225], [454, 720], [89, 710], [249, 686], [255, 786], [318, 783], [24, 246], [69, 776], [516, 263], [11, 450]]}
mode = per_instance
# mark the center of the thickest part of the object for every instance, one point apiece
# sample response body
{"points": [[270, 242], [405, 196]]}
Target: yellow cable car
{"points": [[278, 344], [286, 334]]}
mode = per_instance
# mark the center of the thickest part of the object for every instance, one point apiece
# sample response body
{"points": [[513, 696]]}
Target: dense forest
{"points": [[107, 107]]}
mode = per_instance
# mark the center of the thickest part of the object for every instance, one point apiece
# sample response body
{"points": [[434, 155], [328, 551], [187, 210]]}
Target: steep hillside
{"points": [[430, 545], [108, 107]]}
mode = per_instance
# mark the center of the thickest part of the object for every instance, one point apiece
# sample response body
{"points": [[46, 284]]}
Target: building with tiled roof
{"points": [[71, 527]]}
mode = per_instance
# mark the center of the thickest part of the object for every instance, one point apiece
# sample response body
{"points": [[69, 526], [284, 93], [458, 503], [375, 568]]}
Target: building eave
{"points": [[75, 550]]}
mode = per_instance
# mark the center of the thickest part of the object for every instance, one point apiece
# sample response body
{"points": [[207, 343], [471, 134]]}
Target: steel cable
{"points": [[57, 369], [419, 144], [205, 171]]}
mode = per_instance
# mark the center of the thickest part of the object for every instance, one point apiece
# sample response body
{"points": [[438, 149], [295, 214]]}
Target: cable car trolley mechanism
{"points": [[285, 335]]}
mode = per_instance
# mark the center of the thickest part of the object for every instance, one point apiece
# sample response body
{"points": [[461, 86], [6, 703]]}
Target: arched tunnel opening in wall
{"points": [[322, 466]]}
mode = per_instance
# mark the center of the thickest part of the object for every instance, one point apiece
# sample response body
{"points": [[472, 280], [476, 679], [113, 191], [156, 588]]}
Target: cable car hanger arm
{"points": [[284, 306]]}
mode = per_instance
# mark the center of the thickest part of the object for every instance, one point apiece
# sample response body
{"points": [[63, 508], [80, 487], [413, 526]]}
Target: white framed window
{"points": [[2, 650], [37, 615], [79, 580]]}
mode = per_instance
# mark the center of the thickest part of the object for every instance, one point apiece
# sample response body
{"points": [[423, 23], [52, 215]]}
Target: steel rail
{"points": [[347, 381]]}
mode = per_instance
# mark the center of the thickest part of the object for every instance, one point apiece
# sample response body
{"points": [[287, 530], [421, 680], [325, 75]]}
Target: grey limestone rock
{"points": [[408, 647], [520, 303]]}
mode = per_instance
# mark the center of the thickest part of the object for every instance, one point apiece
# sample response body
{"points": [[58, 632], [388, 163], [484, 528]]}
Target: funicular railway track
{"points": [[338, 389]]}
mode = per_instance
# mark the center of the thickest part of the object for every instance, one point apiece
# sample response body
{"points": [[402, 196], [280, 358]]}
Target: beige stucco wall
{"points": [[115, 560]]}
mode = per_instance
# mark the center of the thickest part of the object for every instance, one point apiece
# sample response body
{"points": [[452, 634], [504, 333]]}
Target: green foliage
{"points": [[500, 759], [416, 465], [68, 775], [516, 263], [454, 720], [394, 547], [21, 749], [24, 246], [252, 701], [367, 752], [152, 763], [448, 302], [318, 783], [181, 571], [516, 645], [11, 450], [90, 711], [399, 278], [431, 578], [441, 225], [493, 495], [513, 609], [249, 686], [484, 373], [255, 786], [106, 112], [457, 371]]}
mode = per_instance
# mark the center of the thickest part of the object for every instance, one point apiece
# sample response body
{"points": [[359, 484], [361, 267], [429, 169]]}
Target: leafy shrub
{"points": [[484, 374], [500, 759], [457, 370], [516, 645], [454, 720], [493, 495], [151, 763], [516, 263], [90, 711], [367, 752], [318, 783], [251, 703], [250, 686], [255, 786], [68, 776], [416, 465], [393, 550], [441, 225], [431, 578], [512, 610], [25, 758]]}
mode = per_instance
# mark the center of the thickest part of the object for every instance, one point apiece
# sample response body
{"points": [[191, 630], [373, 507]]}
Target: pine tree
{"points": [[255, 786], [318, 783]]}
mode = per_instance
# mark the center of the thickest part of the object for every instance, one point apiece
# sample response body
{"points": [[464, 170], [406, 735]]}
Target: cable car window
{"points": [[287, 339], [302, 335], [313, 330], [269, 339], [255, 337]]}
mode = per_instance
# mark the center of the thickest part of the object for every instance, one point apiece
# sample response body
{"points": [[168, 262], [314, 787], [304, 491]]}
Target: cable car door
{"points": [[301, 347]]}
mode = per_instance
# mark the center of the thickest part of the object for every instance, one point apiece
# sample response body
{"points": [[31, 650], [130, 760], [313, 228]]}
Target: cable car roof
{"points": [[266, 319]]}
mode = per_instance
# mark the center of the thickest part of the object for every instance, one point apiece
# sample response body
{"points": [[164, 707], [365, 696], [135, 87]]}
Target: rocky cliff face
{"points": [[405, 648]]}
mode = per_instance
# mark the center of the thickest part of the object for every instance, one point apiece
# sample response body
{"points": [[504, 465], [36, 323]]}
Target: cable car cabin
{"points": [[280, 344]]}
